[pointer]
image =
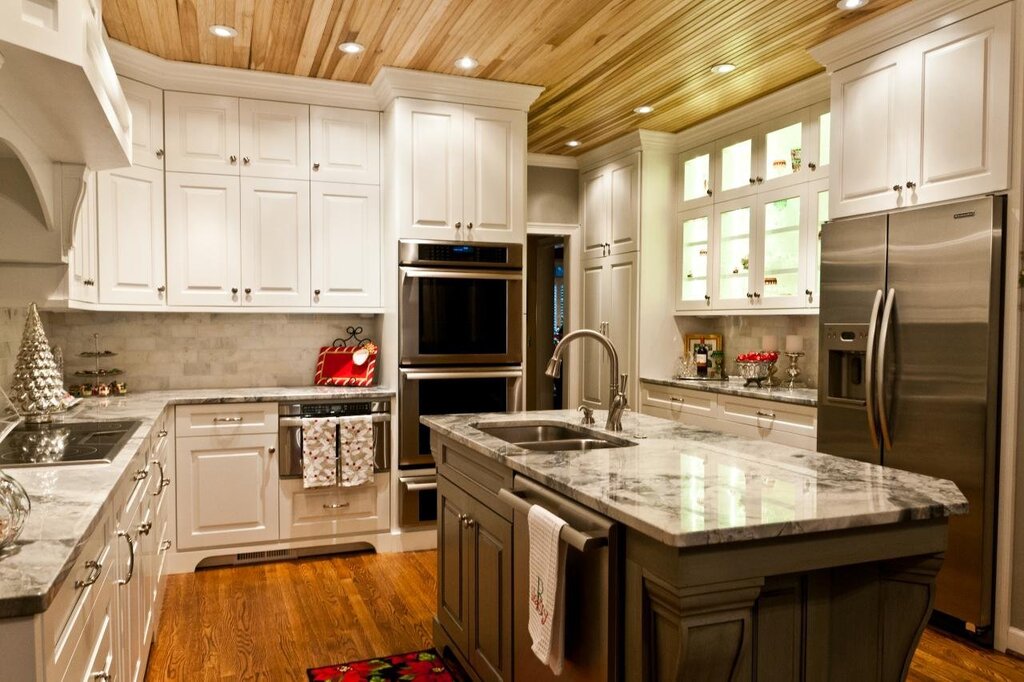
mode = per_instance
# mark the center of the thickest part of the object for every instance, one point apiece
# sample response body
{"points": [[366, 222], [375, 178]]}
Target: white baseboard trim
{"points": [[1015, 641]]}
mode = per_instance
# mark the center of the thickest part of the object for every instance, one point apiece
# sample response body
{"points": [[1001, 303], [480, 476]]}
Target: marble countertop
{"points": [[735, 386], [690, 487], [69, 501]]}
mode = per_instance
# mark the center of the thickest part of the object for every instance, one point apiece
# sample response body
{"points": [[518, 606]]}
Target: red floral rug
{"points": [[417, 666]]}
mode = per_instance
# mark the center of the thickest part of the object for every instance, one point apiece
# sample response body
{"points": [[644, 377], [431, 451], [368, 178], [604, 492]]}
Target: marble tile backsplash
{"points": [[742, 334], [201, 350]]}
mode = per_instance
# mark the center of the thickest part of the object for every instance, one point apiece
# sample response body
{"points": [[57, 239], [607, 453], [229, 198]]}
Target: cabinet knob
{"points": [[813, 166], [102, 676], [89, 282], [750, 295], [458, 225], [757, 294], [234, 290], [808, 292], [316, 292], [759, 179], [159, 153], [897, 188], [316, 166], [753, 181], [145, 527], [233, 158], [469, 226], [911, 184], [248, 291], [271, 450], [161, 289], [707, 298], [710, 192], [467, 522], [245, 160]]}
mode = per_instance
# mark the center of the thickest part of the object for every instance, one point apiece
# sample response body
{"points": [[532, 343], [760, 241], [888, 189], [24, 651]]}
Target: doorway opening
{"points": [[547, 313]]}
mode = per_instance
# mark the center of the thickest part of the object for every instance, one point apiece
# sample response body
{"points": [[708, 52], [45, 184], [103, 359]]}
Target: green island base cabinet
{"points": [[832, 598]]}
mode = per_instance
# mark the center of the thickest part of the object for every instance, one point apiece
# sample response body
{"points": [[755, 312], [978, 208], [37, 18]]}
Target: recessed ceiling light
{"points": [[851, 4], [466, 63], [222, 31], [723, 68], [645, 109], [351, 48], [572, 143]]}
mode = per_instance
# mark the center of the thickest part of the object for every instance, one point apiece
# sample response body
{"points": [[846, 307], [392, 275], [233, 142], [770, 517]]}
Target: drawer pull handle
{"points": [[140, 474], [94, 574], [131, 557], [161, 434], [145, 527], [763, 413], [228, 420], [336, 505], [164, 481], [677, 399]]}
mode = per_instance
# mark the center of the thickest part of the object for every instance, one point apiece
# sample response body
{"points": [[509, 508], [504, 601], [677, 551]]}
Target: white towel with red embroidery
{"points": [[355, 448], [319, 452], [547, 592]]}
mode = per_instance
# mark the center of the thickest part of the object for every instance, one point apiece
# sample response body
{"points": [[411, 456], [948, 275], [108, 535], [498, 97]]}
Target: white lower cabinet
{"points": [[767, 420], [317, 512], [227, 490], [131, 236], [345, 234]]}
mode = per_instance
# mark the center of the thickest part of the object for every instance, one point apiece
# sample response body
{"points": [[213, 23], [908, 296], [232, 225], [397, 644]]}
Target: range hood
{"points": [[62, 112]]}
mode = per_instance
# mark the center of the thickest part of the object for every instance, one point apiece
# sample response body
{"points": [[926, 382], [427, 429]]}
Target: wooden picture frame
{"points": [[712, 341]]}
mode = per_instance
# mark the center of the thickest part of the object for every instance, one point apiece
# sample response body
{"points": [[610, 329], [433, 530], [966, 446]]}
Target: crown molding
{"points": [[389, 84], [552, 161], [894, 28], [791, 98], [637, 141], [392, 83]]}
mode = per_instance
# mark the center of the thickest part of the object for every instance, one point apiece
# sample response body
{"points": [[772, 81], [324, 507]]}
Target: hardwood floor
{"points": [[272, 621]]}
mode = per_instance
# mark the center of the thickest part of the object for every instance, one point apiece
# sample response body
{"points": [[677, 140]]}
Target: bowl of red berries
{"points": [[757, 367]]}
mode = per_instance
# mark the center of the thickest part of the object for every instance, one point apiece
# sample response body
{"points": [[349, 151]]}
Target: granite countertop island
{"points": [[737, 387], [686, 486], [69, 501], [738, 557]]}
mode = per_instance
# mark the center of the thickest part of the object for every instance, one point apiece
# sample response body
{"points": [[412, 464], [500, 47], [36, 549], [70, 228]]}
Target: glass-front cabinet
{"points": [[781, 238], [693, 253], [751, 239], [734, 236], [696, 173]]}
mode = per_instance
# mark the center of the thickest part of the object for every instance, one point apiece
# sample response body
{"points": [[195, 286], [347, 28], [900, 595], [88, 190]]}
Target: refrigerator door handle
{"points": [[883, 414], [869, 392]]}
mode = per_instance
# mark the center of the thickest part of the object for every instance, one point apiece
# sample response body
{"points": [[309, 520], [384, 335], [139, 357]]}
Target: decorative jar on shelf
{"points": [[14, 509]]}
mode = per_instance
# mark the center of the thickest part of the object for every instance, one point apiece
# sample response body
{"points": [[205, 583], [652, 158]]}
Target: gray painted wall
{"points": [[552, 195]]}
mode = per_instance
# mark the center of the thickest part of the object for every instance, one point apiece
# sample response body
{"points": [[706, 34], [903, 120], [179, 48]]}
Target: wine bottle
{"points": [[701, 358]]}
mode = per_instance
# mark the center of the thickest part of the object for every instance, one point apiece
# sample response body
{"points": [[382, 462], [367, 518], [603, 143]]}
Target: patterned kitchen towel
{"points": [[356, 450], [547, 592], [319, 452]]}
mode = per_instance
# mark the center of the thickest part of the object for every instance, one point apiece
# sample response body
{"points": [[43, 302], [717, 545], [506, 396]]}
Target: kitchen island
{"points": [[732, 558]]}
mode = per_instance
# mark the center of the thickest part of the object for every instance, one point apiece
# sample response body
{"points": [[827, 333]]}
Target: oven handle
{"points": [[463, 274], [418, 375], [292, 422]]}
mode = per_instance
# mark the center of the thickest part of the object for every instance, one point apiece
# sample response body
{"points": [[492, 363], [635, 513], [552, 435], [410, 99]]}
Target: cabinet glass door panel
{"points": [[818, 199], [736, 160], [824, 139], [735, 223], [694, 250], [697, 177], [783, 151], [781, 249]]}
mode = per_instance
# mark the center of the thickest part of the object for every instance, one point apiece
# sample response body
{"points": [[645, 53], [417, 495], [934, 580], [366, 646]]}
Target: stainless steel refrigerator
{"points": [[910, 356]]}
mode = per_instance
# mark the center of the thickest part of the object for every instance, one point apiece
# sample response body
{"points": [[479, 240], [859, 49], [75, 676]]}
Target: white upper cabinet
{"points": [[201, 133], [927, 121], [461, 171], [611, 208], [780, 261], [737, 160], [694, 247], [147, 107], [203, 234], [697, 177], [346, 245], [344, 145], [83, 256], [494, 168], [429, 169], [131, 236], [273, 139], [784, 143], [275, 242]]}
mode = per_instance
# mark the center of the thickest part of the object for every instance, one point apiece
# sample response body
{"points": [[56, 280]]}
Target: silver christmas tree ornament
{"points": [[38, 388]]}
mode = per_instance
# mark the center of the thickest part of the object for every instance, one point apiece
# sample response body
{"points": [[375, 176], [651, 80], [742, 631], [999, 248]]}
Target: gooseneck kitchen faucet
{"points": [[617, 383]]}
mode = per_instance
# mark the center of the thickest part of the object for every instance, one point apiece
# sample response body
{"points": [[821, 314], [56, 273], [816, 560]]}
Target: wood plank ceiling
{"points": [[598, 59]]}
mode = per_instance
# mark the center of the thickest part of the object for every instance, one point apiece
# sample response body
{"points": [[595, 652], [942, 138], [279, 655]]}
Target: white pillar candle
{"points": [[794, 344], [769, 342]]}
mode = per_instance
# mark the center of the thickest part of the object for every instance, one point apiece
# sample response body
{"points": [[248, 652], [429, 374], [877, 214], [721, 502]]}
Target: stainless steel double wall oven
{"points": [[460, 340]]}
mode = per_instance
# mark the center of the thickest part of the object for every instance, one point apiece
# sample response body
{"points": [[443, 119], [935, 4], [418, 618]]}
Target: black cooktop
{"points": [[32, 445]]}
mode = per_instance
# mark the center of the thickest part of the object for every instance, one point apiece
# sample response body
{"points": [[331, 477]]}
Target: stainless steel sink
{"points": [[552, 436]]}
